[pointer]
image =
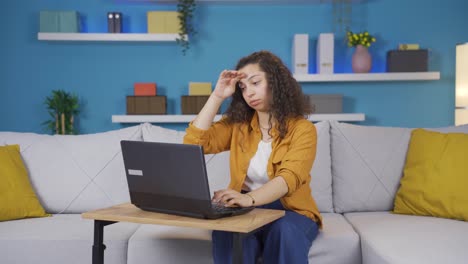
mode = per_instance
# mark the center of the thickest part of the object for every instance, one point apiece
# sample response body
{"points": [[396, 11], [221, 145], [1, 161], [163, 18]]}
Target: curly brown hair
{"points": [[288, 100]]}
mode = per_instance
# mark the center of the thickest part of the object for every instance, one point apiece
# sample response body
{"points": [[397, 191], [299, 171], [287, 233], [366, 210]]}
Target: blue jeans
{"points": [[286, 240]]}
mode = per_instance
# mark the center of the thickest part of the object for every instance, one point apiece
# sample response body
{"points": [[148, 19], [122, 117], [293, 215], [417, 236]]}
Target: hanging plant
{"points": [[186, 9], [62, 107]]}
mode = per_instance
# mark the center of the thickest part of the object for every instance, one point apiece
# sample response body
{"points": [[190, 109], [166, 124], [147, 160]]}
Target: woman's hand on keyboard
{"points": [[231, 198]]}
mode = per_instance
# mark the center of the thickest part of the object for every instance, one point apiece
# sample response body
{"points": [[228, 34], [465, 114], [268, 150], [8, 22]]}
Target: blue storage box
{"points": [[59, 21]]}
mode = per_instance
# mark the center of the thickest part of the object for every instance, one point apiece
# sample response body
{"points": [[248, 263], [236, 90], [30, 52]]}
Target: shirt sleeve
{"points": [[215, 139], [297, 163]]}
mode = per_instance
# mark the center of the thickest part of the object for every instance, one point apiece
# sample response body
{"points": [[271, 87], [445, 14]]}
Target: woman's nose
{"points": [[250, 91]]}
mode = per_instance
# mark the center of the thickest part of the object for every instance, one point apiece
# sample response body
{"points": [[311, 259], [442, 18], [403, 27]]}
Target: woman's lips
{"points": [[254, 102]]}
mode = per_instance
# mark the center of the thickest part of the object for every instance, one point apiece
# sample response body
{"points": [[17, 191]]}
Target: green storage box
{"points": [[59, 21]]}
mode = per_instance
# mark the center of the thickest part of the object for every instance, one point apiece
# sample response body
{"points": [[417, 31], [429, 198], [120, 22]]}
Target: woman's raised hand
{"points": [[226, 84]]}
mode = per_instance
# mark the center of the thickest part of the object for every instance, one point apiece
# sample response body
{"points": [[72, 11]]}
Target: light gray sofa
{"points": [[354, 180]]}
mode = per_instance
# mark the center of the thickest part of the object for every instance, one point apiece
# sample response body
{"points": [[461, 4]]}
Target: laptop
{"points": [[171, 178]]}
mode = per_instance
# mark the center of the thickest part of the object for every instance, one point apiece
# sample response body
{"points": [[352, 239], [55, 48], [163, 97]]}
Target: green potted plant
{"points": [[62, 107], [186, 9]]}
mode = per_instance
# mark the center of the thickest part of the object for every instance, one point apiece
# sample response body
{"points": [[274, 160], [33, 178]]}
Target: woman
{"points": [[272, 151]]}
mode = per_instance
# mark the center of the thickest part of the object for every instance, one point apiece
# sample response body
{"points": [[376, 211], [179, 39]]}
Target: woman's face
{"points": [[255, 89]]}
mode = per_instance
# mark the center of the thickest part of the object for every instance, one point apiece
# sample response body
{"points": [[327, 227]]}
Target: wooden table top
{"points": [[245, 223]]}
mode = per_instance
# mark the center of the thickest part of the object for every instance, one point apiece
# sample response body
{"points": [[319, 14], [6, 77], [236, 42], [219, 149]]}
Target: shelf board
{"points": [[106, 37], [189, 118], [359, 77]]}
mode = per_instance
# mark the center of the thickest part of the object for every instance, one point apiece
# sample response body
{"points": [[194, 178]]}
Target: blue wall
{"points": [[103, 73]]}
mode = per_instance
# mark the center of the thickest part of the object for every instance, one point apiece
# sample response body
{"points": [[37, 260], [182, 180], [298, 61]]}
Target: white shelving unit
{"points": [[188, 118], [360, 77], [107, 37]]}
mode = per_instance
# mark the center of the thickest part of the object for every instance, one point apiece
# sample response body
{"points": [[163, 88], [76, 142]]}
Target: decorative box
{"points": [[59, 21], [192, 104], [146, 105], [144, 89], [326, 103], [199, 88], [407, 60], [163, 22]]}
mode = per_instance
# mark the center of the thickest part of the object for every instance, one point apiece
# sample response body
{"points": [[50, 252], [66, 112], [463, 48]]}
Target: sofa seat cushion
{"points": [[393, 238], [336, 243], [59, 239]]}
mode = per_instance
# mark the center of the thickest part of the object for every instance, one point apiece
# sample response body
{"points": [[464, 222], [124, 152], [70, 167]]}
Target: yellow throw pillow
{"points": [[435, 178], [17, 197]]}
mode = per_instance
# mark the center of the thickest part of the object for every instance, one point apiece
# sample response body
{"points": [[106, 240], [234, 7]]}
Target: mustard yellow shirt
{"points": [[291, 157]]}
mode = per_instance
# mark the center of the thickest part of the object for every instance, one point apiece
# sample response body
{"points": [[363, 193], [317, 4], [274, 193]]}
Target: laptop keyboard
{"points": [[220, 208]]}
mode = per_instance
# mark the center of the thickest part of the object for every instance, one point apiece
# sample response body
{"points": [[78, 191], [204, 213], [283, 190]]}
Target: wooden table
{"points": [[240, 225]]}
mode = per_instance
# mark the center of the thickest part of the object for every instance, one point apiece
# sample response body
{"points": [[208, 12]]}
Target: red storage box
{"points": [[144, 89]]}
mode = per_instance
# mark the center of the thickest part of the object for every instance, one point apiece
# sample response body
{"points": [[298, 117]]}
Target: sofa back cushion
{"points": [[218, 164], [367, 164], [321, 183], [75, 173]]}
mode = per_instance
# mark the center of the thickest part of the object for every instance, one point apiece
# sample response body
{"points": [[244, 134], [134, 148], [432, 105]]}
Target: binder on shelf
{"points": [[110, 22], [118, 19], [325, 53], [114, 22], [300, 54]]}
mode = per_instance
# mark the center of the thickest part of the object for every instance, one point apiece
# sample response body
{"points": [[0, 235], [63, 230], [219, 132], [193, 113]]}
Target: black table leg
{"points": [[98, 246], [237, 256], [237, 248]]}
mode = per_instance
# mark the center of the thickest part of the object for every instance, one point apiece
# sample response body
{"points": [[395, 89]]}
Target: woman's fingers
{"points": [[225, 196]]}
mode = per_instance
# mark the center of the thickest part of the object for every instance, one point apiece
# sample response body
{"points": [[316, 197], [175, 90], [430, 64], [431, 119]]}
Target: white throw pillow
{"points": [[75, 173]]}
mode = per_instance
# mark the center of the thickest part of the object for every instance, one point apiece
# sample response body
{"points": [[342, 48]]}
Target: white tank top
{"points": [[257, 171]]}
